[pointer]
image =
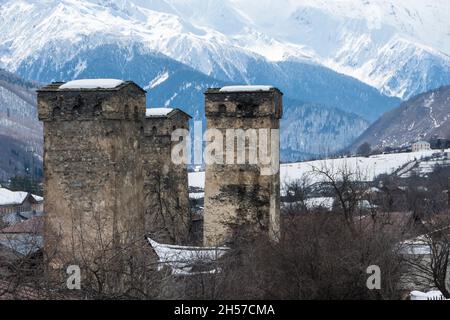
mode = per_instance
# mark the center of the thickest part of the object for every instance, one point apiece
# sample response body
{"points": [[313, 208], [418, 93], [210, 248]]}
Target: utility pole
{"points": [[32, 151]]}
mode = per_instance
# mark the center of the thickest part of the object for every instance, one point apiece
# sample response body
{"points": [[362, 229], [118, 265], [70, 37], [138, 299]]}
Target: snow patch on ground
{"points": [[80, 67], [169, 101], [429, 105], [319, 202]]}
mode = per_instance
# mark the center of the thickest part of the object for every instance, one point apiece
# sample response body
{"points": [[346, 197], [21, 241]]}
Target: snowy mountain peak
{"points": [[376, 41]]}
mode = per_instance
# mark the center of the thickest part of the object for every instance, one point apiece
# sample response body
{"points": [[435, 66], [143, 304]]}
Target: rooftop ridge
{"points": [[59, 86]]}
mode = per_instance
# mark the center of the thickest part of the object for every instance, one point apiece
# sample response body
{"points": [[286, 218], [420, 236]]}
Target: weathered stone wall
{"points": [[166, 198], [239, 193], [92, 173]]}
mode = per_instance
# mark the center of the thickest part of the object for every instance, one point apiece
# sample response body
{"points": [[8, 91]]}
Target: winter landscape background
{"points": [[340, 64]]}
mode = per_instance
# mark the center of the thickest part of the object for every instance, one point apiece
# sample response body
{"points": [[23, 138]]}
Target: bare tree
{"points": [[428, 257]]}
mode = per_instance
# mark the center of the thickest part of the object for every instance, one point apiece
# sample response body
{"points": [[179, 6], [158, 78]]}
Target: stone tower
{"points": [[92, 171], [242, 189], [166, 197]]}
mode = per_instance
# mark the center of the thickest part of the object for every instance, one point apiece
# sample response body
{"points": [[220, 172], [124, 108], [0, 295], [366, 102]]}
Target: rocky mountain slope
{"points": [[20, 131], [421, 117], [313, 131]]}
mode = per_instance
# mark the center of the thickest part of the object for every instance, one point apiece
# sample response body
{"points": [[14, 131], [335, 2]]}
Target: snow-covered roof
{"points": [[37, 198], [13, 218], [196, 195], [157, 112], [33, 225], [8, 197], [92, 84], [324, 202], [430, 295], [181, 259], [417, 246], [249, 88]]}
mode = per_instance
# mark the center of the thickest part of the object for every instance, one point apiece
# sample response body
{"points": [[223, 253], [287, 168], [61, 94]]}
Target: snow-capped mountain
{"points": [[334, 56], [401, 47], [308, 130], [395, 45], [21, 139], [419, 118]]}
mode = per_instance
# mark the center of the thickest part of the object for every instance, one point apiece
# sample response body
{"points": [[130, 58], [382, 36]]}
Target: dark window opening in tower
{"points": [[126, 112]]}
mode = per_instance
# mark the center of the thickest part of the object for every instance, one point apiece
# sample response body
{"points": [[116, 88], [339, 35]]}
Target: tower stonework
{"points": [[166, 197], [92, 172], [238, 192]]}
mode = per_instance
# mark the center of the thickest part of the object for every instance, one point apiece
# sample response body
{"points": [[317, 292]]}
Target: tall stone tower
{"points": [[92, 172], [244, 189], [166, 197]]}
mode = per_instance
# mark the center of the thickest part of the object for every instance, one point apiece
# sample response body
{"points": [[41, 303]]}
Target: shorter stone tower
{"points": [[92, 172], [166, 197], [238, 192]]}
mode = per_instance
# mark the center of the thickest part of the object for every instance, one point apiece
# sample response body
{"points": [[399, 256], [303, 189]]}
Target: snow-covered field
{"points": [[425, 167], [364, 168]]}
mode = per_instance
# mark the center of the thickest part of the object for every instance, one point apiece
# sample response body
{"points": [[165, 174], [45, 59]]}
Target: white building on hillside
{"points": [[420, 146]]}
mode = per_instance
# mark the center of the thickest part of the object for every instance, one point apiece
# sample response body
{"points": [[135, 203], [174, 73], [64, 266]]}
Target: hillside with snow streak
{"points": [[21, 137], [419, 118], [361, 168]]}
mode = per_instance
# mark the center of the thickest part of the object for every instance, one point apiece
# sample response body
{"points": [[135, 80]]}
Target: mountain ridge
{"points": [[20, 131], [372, 42], [422, 117]]}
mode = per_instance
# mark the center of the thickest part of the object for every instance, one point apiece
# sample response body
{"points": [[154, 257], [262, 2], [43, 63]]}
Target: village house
{"points": [[23, 238], [420, 146], [19, 244], [424, 254], [19, 201]]}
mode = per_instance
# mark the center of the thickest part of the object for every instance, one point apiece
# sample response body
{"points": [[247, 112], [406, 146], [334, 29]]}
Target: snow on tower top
{"points": [[250, 88], [157, 112], [92, 84]]}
